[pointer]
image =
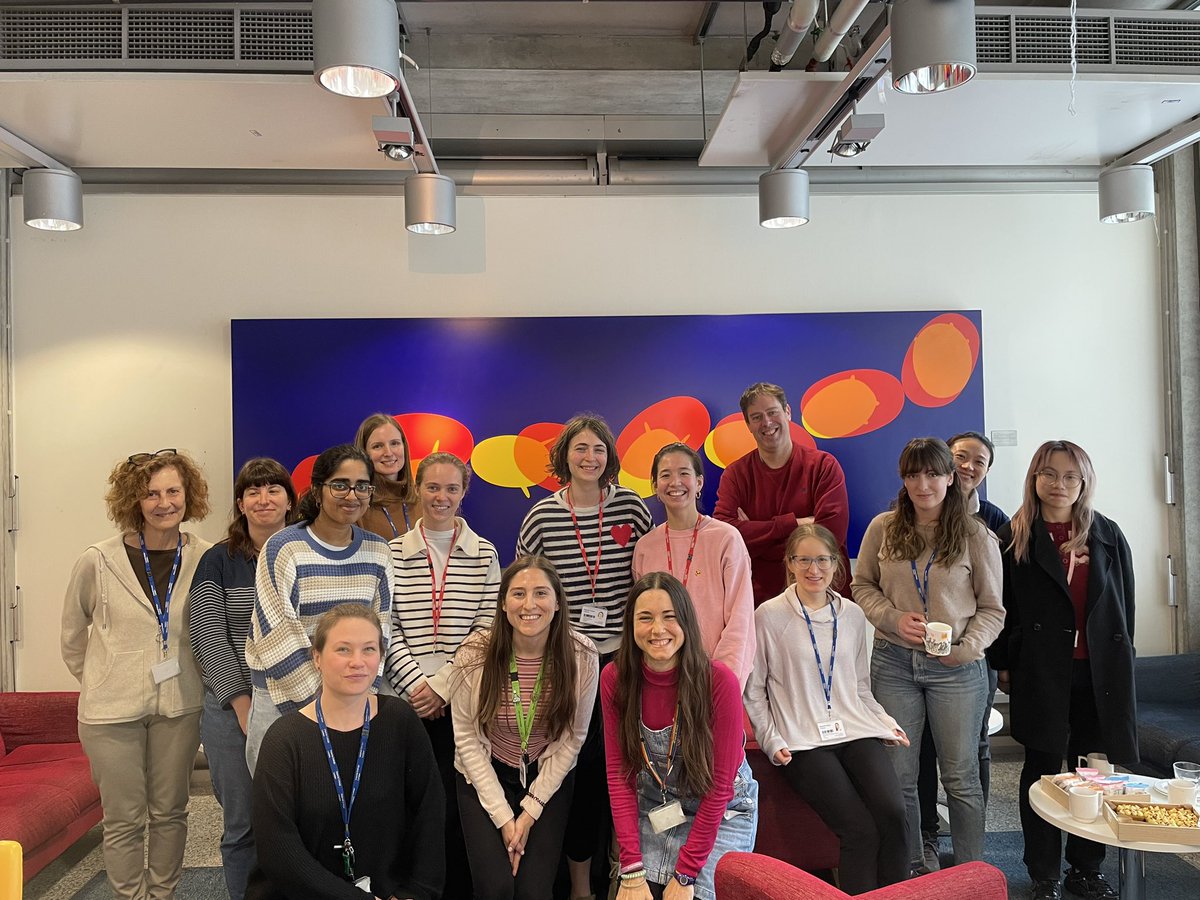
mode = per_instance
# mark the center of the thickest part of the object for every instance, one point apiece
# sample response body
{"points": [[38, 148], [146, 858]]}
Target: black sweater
{"points": [[396, 826]]}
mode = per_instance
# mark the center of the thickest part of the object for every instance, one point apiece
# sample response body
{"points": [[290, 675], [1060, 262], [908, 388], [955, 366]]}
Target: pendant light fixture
{"points": [[783, 198], [933, 45], [53, 199], [356, 47], [1126, 194], [429, 204]]}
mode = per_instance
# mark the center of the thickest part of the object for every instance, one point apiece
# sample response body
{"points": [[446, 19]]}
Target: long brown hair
{"points": [[1031, 506], [403, 488], [260, 471], [695, 706], [561, 675], [955, 525]]}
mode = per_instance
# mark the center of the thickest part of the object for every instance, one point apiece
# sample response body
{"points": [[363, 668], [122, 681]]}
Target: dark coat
{"points": [[1037, 643]]}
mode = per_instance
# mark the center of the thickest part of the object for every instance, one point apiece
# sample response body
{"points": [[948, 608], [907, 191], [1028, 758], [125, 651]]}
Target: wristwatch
{"points": [[685, 880]]}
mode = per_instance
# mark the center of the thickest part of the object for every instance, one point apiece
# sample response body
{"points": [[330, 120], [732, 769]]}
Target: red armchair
{"points": [[47, 797], [751, 876]]}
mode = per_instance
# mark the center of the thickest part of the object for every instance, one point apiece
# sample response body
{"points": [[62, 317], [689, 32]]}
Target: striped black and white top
{"points": [[548, 530], [219, 608], [471, 585]]}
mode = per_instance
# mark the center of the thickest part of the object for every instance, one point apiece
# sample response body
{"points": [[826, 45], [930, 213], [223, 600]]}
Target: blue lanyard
{"points": [[347, 847], [826, 683], [407, 524], [923, 589], [162, 609]]}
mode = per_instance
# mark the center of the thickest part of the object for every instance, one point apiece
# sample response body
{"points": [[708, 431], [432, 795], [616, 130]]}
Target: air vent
{"points": [[1044, 40], [181, 34], [52, 34], [1157, 42], [277, 35], [993, 39]]}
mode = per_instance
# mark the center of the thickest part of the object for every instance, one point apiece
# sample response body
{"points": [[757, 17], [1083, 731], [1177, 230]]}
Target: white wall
{"points": [[122, 330]]}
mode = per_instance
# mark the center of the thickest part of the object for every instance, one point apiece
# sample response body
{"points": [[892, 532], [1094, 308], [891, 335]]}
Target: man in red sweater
{"points": [[768, 492]]}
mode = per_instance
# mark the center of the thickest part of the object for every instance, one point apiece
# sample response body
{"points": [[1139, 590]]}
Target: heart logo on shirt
{"points": [[622, 533]]}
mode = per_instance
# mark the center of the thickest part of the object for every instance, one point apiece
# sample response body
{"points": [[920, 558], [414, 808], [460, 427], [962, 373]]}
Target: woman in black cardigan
{"points": [[1065, 656]]}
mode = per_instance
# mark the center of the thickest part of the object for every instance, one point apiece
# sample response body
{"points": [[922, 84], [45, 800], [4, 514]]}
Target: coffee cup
{"points": [[937, 638], [1085, 803], [1181, 790], [1097, 761]]}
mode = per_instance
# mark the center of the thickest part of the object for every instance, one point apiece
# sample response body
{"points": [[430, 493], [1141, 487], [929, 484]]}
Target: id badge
{"points": [[432, 663], [364, 883], [665, 817], [165, 670], [833, 730], [593, 615]]}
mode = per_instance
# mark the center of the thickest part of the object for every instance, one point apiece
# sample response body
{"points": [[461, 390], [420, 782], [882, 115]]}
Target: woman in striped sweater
{"points": [[446, 579], [222, 599]]}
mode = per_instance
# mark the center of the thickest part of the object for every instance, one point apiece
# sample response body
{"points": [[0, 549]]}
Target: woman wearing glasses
{"points": [[929, 560], [1066, 654], [303, 570], [394, 502], [810, 700], [124, 637], [446, 579]]}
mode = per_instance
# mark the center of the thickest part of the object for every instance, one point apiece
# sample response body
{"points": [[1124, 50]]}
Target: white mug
{"points": [[937, 638], [1181, 790], [1085, 803], [1097, 761]]}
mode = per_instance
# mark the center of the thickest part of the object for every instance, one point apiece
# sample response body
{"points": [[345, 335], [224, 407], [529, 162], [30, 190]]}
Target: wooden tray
{"points": [[1127, 829]]}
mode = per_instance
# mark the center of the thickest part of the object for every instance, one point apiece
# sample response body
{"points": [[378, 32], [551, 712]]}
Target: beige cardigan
{"points": [[473, 750], [110, 638]]}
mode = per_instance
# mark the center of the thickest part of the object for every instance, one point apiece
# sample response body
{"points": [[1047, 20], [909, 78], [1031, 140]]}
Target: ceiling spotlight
{"points": [[53, 199], [1126, 194], [429, 204], [356, 47], [783, 198], [933, 45], [397, 152], [394, 134], [856, 134]]}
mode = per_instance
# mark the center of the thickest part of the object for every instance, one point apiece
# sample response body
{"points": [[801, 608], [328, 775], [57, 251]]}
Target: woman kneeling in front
{"points": [[682, 791], [347, 797]]}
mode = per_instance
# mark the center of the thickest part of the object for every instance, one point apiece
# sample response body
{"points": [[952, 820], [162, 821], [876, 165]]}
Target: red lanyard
{"points": [[592, 574], [438, 598], [687, 566]]}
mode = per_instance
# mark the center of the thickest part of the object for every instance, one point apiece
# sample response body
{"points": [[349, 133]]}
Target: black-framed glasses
{"points": [[824, 563], [1069, 480], [139, 458], [340, 488]]}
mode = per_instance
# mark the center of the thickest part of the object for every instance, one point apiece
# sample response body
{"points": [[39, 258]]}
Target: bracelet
{"points": [[632, 875], [536, 799]]}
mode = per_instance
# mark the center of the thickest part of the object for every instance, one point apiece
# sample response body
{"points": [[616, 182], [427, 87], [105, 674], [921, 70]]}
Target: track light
{"points": [[1126, 194], [783, 198], [856, 134], [394, 134], [933, 45], [429, 204], [356, 47], [397, 152], [53, 199]]}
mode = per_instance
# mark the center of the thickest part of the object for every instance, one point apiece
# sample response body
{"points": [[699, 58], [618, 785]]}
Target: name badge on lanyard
{"points": [[167, 668], [831, 729], [346, 804], [670, 813]]}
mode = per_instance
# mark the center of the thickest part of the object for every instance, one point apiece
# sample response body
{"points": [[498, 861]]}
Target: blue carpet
{"points": [[196, 884]]}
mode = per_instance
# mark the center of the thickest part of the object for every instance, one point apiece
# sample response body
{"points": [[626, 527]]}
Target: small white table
{"points": [[1133, 854]]}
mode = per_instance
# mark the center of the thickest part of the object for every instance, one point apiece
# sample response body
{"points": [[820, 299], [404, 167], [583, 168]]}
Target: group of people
{"points": [[385, 711]]}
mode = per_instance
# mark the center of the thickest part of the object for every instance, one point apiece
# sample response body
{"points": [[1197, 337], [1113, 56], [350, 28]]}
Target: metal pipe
{"points": [[799, 20], [840, 22]]}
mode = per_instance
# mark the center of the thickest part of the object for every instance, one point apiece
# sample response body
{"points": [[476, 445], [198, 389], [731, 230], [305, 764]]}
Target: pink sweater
{"points": [[719, 584], [658, 708]]}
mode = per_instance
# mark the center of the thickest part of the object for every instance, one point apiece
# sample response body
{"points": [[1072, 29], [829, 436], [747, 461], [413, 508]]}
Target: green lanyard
{"points": [[524, 722]]}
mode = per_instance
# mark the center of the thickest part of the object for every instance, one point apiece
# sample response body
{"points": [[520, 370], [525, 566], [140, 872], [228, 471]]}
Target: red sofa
{"points": [[47, 797], [750, 876]]}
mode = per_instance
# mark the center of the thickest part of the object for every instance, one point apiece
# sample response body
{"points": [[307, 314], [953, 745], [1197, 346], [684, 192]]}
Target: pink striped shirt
{"points": [[505, 738]]}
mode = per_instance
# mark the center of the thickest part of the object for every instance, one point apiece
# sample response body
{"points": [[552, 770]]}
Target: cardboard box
{"points": [[1127, 829]]}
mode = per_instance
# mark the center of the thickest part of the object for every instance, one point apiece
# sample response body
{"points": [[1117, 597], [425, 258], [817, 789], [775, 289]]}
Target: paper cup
{"points": [[1085, 803], [937, 638], [1181, 790]]}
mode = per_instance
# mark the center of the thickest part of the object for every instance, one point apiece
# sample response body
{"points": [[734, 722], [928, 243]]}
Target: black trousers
{"points": [[853, 788], [590, 823], [491, 872], [927, 775], [458, 872], [1043, 842]]}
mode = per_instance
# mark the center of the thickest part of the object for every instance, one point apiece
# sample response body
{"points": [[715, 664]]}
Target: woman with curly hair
{"points": [[219, 621], [125, 639], [522, 698], [682, 791], [393, 506], [929, 560]]}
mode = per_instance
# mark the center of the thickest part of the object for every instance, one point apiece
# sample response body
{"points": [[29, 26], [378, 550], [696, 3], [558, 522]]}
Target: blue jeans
{"points": [[263, 712], [225, 748], [915, 688]]}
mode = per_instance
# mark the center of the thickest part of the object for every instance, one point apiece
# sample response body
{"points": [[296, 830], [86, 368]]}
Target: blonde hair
{"points": [[1031, 506]]}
